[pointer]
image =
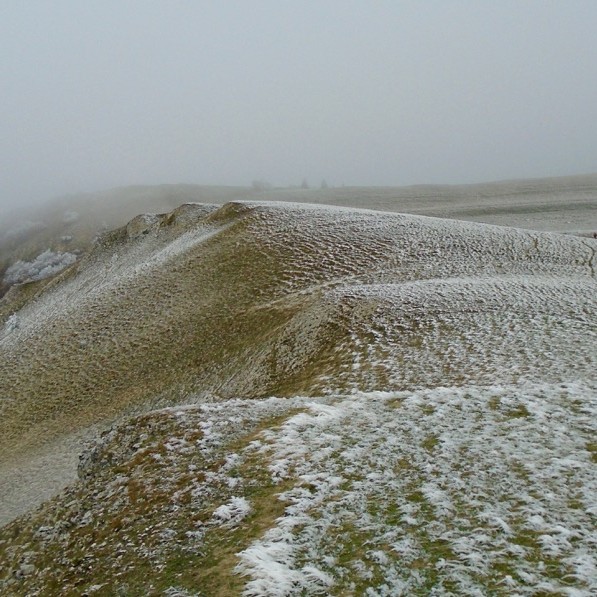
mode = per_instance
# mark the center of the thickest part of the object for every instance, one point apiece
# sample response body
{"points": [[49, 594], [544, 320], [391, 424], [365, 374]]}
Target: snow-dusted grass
{"points": [[165, 500], [256, 299], [447, 491], [449, 373], [471, 490]]}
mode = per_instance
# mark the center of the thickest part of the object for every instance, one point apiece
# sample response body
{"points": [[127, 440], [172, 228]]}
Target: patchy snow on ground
{"points": [[454, 491]]}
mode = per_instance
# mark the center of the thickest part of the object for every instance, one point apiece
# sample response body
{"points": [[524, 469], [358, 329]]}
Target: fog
{"points": [[105, 93]]}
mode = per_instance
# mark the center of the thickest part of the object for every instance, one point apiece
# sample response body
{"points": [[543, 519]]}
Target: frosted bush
{"points": [[233, 512], [12, 323], [45, 265]]}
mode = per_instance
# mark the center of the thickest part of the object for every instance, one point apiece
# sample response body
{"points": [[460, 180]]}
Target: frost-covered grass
{"points": [[164, 502], [256, 299], [433, 432], [477, 490], [452, 491]]}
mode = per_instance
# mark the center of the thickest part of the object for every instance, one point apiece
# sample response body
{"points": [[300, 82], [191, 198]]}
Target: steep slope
{"points": [[208, 304], [259, 299], [70, 224]]}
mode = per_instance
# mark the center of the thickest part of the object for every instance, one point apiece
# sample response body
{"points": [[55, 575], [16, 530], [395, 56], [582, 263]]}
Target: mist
{"points": [[102, 94]]}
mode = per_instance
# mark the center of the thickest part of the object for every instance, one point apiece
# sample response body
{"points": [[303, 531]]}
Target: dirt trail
{"points": [[30, 480]]}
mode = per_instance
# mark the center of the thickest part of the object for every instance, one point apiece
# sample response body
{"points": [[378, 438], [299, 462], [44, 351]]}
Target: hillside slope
{"points": [[209, 304], [450, 491], [70, 223], [259, 299]]}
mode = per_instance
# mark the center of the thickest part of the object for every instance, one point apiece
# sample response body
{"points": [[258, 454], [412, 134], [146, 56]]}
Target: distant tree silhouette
{"points": [[304, 184], [324, 184]]}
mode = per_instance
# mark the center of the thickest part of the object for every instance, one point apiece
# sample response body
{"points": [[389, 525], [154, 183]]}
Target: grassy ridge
{"points": [[370, 317]]}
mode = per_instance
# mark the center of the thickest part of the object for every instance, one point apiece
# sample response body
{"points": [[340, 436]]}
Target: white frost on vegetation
{"points": [[12, 323], [273, 567], [442, 491], [45, 265], [233, 512], [178, 592]]}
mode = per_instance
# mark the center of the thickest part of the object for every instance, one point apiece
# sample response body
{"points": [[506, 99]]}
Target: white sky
{"points": [[103, 93]]}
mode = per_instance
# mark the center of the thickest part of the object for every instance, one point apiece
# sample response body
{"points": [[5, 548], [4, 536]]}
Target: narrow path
{"points": [[32, 479]]}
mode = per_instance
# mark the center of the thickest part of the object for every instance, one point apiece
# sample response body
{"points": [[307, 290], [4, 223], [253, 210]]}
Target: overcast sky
{"points": [[96, 94]]}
